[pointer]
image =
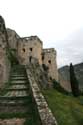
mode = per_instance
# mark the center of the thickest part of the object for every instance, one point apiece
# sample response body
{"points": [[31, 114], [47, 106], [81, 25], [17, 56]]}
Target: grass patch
{"points": [[67, 110]]}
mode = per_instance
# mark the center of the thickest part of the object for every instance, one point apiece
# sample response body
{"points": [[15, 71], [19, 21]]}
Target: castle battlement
{"points": [[49, 50], [32, 38]]}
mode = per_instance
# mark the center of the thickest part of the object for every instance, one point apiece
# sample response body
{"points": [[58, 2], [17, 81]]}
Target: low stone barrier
{"points": [[45, 113]]}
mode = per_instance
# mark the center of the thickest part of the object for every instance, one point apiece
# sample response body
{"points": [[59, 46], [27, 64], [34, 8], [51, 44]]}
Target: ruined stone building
{"points": [[21, 74], [27, 49], [31, 48]]}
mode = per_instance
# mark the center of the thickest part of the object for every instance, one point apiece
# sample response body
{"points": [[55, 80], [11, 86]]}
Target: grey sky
{"points": [[58, 23]]}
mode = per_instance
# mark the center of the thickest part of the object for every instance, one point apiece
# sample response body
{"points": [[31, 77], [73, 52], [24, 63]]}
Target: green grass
{"points": [[67, 110]]}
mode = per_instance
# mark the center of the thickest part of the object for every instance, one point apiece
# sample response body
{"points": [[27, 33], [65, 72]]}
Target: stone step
{"points": [[18, 72], [17, 86], [12, 121], [18, 75], [13, 102], [15, 93], [19, 78], [13, 108], [18, 82], [17, 89], [15, 98]]}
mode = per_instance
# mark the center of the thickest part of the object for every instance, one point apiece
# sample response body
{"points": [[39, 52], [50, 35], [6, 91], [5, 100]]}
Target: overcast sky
{"points": [[58, 23]]}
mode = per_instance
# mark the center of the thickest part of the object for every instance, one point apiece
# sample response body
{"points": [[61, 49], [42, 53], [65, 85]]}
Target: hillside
{"points": [[68, 110], [64, 72]]}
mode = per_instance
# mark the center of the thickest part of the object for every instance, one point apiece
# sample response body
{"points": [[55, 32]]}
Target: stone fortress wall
{"points": [[4, 62], [12, 38]]}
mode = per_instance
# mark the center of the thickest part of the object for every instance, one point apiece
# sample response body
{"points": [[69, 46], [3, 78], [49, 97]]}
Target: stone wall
{"points": [[12, 38], [45, 113], [64, 83], [4, 68], [49, 59], [4, 62], [29, 47]]}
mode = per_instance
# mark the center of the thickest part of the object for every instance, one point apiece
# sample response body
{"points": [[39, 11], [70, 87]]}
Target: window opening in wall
{"points": [[42, 57], [31, 49], [49, 61], [50, 78], [23, 49]]}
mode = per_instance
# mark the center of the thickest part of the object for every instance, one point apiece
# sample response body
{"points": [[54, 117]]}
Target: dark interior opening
{"points": [[31, 49], [23, 49], [50, 78], [42, 57], [49, 61]]}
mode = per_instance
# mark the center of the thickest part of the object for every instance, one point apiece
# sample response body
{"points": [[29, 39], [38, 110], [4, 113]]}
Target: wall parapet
{"points": [[32, 38], [44, 111], [49, 50]]}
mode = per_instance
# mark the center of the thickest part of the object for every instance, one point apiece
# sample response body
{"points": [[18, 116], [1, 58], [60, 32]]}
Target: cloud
{"points": [[71, 49]]}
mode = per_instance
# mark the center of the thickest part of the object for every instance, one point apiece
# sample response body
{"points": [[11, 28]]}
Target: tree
{"points": [[74, 82]]}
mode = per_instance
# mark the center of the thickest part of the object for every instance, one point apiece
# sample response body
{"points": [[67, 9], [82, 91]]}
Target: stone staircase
{"points": [[16, 101]]}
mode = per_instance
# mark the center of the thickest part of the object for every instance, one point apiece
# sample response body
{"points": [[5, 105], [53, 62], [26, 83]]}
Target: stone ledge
{"points": [[45, 113]]}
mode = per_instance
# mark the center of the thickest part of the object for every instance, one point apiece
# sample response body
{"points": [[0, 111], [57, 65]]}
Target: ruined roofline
{"points": [[49, 50], [32, 38]]}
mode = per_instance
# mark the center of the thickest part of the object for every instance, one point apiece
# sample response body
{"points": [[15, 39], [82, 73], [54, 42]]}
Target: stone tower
{"points": [[49, 59], [28, 49]]}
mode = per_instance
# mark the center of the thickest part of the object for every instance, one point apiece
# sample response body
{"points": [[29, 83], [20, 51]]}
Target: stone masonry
{"points": [[32, 47], [28, 49], [49, 58], [4, 62], [44, 111]]}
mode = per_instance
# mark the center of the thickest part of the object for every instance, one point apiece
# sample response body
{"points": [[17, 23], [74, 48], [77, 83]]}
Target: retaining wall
{"points": [[44, 111]]}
